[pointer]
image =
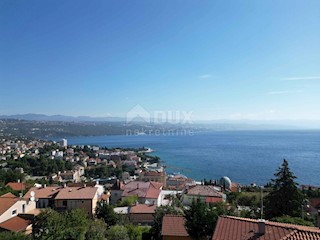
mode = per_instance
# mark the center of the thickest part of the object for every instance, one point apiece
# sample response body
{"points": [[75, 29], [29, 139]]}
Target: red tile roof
{"points": [[204, 190], [77, 193], [143, 208], [235, 228], [16, 224], [142, 189], [43, 192], [16, 186], [6, 201], [174, 226]]}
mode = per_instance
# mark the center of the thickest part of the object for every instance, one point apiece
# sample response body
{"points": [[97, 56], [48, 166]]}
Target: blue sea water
{"points": [[244, 156]]}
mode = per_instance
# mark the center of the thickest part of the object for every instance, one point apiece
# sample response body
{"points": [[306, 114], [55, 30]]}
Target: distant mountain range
{"points": [[61, 118], [213, 124]]}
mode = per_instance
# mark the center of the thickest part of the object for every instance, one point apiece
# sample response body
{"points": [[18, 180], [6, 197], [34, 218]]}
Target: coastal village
{"points": [[36, 175]]}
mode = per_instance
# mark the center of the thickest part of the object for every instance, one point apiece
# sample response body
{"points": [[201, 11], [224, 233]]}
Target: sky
{"points": [[233, 60]]}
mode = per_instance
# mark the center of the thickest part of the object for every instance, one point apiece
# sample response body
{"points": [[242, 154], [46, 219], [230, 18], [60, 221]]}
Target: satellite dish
{"points": [[32, 199], [32, 193]]}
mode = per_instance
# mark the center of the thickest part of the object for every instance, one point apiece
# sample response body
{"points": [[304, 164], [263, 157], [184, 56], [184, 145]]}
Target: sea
{"points": [[244, 156]]}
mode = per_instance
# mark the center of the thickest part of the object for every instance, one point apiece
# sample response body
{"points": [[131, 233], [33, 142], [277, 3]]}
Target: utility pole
{"points": [[261, 207]]}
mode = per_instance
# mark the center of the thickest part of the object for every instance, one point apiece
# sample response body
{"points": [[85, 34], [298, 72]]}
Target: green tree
{"points": [[96, 230], [136, 232], [293, 220], [106, 213], [13, 236], [158, 216], [285, 197], [201, 219], [73, 225], [128, 201], [118, 233]]}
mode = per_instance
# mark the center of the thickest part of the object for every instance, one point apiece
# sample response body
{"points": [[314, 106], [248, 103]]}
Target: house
{"points": [[142, 214], [154, 176], [147, 192], [179, 182], [204, 193], [236, 228], [17, 186], [17, 224], [116, 191], [173, 228], [44, 195], [69, 198], [11, 206]]}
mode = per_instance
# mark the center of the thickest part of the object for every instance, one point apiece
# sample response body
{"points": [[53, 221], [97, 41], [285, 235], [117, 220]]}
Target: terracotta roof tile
{"points": [[6, 201], [16, 186], [203, 190], [77, 193], [143, 208], [142, 189], [43, 192], [235, 228], [16, 224], [174, 226]]}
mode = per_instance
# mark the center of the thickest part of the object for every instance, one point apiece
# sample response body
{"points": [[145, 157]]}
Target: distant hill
{"points": [[41, 126], [62, 118]]}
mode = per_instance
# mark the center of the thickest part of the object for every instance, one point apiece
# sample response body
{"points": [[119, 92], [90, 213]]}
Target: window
{"points": [[14, 212], [64, 203]]}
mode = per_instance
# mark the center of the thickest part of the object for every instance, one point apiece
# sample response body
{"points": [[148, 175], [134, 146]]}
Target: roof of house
{"points": [[82, 184], [43, 192], [173, 225], [6, 201], [16, 224], [213, 199], [142, 189], [235, 228], [204, 190], [143, 208], [16, 186], [77, 193]]}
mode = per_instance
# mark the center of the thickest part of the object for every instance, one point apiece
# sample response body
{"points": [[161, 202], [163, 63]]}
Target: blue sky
{"points": [[257, 60]]}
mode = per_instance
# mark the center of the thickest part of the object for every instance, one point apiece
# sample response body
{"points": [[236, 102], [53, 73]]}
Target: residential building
{"points": [[44, 195], [236, 228], [173, 228], [204, 193], [11, 206], [69, 198], [17, 224], [17, 186], [154, 176], [142, 214], [147, 192]]}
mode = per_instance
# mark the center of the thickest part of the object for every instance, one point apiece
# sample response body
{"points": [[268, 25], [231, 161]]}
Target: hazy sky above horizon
{"points": [[255, 60]]}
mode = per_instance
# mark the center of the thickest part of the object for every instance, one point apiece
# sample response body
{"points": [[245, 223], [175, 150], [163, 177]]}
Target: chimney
{"points": [[18, 180], [64, 185], [84, 185], [44, 185], [261, 227]]}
